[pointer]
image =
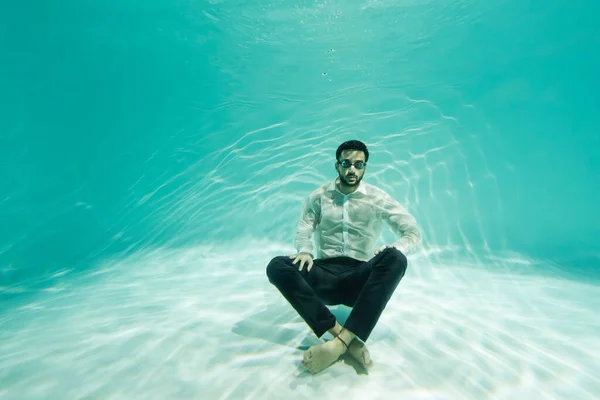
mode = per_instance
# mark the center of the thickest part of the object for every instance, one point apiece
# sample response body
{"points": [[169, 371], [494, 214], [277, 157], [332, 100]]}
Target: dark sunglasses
{"points": [[348, 164]]}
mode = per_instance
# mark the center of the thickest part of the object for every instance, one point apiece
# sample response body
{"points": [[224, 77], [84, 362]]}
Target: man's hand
{"points": [[379, 250], [303, 258]]}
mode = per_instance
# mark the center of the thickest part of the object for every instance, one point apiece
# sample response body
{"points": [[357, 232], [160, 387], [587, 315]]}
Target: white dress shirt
{"points": [[350, 225]]}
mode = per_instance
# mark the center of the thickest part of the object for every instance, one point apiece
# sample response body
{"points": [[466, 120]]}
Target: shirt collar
{"points": [[333, 186]]}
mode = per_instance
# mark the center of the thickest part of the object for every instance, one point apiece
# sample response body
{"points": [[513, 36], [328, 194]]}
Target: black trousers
{"points": [[366, 286]]}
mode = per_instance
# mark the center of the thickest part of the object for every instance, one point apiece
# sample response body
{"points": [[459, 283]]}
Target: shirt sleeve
{"points": [[309, 219], [403, 224]]}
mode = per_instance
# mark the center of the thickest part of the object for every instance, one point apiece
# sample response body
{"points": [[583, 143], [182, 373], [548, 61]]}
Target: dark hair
{"points": [[352, 145]]}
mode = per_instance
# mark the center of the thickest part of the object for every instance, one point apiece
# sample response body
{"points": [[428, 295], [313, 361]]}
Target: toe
{"points": [[306, 361], [307, 355]]}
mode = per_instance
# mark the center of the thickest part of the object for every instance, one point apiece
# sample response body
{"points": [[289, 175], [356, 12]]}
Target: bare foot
{"points": [[358, 350], [321, 356]]}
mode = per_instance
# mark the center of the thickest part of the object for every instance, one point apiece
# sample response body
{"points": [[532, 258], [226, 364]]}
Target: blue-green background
{"points": [[125, 125]]}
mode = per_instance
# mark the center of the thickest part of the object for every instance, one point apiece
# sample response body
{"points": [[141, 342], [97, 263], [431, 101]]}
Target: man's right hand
{"points": [[304, 258]]}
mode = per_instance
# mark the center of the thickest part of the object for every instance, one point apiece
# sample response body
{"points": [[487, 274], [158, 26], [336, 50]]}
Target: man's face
{"points": [[351, 176]]}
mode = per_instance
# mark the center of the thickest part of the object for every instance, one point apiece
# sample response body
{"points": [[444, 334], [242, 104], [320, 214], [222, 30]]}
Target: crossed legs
{"points": [[364, 286]]}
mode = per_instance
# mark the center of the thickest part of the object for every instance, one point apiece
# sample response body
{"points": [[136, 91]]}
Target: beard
{"points": [[346, 182]]}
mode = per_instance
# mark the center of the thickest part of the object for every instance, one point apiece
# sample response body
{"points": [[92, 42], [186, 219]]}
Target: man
{"points": [[347, 217]]}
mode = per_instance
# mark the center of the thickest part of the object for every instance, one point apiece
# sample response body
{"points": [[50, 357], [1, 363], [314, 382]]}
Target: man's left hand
{"points": [[379, 250]]}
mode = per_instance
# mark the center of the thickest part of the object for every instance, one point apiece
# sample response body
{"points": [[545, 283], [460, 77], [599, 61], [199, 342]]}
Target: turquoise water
{"points": [[154, 157]]}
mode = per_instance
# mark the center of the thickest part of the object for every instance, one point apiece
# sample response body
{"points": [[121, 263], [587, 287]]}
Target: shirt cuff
{"points": [[306, 250]]}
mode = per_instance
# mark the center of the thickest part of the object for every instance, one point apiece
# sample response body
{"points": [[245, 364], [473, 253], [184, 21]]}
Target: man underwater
{"points": [[347, 217]]}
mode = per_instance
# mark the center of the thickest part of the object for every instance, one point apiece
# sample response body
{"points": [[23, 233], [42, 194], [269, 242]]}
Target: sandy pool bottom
{"points": [[202, 323]]}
